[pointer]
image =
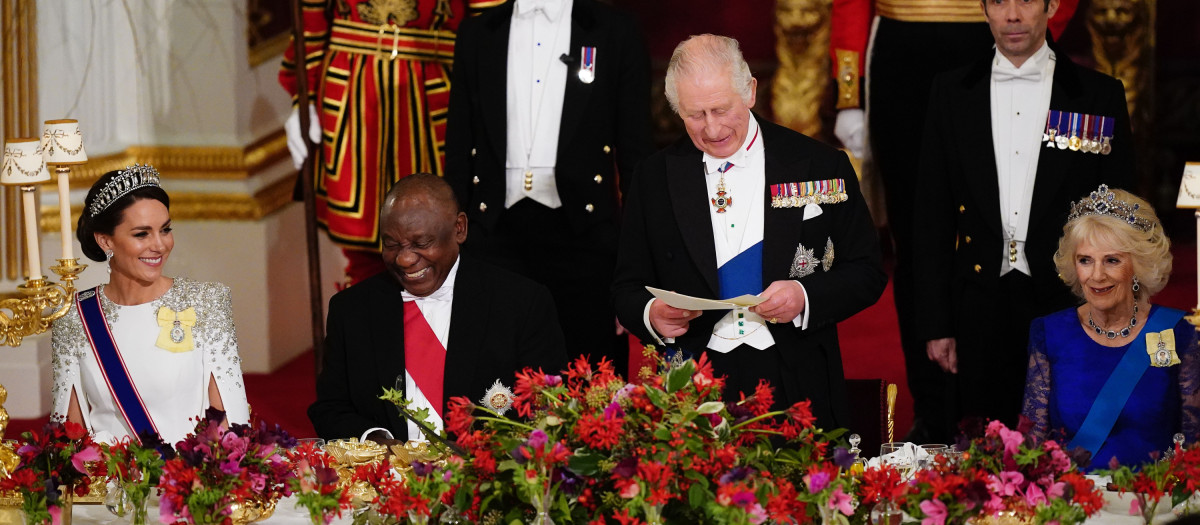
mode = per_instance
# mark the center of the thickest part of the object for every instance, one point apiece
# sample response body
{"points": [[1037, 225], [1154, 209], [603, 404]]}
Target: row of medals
{"points": [[1076, 143]]}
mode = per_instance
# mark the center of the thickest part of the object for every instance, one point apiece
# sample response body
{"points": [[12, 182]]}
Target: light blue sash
{"points": [[1116, 390], [742, 274]]}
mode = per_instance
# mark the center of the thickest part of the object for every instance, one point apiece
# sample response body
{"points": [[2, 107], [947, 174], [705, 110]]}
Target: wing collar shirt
{"points": [[540, 33], [436, 308], [1020, 100], [735, 230]]}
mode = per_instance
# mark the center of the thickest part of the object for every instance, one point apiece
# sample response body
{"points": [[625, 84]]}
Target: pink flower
{"points": [[1006, 484], [56, 514], [1012, 441], [841, 501], [935, 512], [1056, 491], [817, 481], [993, 505], [89, 453], [993, 428], [1034, 495], [1135, 507], [757, 514], [630, 490]]}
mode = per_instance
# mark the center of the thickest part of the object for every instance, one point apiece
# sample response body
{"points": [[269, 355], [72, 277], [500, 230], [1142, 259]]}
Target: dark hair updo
{"points": [[107, 220]]}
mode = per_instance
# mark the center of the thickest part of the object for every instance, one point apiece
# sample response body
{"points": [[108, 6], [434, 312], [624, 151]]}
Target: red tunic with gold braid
{"points": [[379, 73]]}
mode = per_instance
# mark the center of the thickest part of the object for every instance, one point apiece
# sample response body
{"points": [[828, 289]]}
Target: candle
{"points": [[31, 233], [64, 211], [1198, 259]]}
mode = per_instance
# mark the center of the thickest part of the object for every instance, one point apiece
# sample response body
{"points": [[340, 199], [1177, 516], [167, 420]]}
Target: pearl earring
{"points": [[108, 255]]}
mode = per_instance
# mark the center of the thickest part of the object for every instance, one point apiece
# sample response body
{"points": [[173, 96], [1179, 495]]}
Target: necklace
{"points": [[1112, 334]]}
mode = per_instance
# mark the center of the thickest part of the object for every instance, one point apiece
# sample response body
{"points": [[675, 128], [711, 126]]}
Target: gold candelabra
{"points": [[27, 315]]}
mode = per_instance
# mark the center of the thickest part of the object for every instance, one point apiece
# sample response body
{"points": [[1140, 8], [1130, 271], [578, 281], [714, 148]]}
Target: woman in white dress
{"points": [[145, 351]]}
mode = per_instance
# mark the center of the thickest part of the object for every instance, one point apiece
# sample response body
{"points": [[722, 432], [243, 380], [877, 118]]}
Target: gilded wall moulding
{"points": [[204, 206], [189, 162]]}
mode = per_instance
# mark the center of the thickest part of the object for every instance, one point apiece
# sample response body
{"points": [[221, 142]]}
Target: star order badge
{"points": [[827, 259], [499, 398], [804, 264]]}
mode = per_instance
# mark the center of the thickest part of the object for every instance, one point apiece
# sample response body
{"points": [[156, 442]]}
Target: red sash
{"points": [[424, 355]]}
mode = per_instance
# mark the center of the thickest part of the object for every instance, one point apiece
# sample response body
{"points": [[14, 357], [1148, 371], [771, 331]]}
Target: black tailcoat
{"points": [[667, 242], [500, 323]]}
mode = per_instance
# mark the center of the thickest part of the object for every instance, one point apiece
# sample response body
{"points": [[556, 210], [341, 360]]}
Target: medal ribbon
{"points": [[112, 365]]}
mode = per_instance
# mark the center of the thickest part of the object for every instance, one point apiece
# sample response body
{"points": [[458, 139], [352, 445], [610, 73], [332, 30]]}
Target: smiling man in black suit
{"points": [[439, 324], [1010, 141], [744, 206]]}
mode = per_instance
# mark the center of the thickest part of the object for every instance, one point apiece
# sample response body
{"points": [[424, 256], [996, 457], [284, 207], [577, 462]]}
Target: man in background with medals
{"points": [[379, 71], [945, 34], [742, 206], [1010, 139], [549, 114]]}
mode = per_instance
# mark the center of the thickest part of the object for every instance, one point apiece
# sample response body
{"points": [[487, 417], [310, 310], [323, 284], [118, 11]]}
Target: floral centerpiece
{"points": [[588, 447], [218, 467], [56, 464], [1001, 473], [1176, 477], [316, 483], [136, 467]]}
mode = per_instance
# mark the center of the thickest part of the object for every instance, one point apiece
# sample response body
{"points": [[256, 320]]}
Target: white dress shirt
{"points": [[539, 34], [738, 228], [436, 308], [1020, 102]]}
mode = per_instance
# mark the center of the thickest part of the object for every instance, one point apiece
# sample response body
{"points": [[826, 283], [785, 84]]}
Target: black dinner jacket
{"points": [[501, 323], [605, 126], [959, 238], [667, 242]]}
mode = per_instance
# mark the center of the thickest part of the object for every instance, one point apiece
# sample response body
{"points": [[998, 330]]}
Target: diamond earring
{"points": [[108, 255], [1136, 285]]}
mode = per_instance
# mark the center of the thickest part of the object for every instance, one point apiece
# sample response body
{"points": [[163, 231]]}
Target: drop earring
{"points": [[1136, 285], [108, 255]]}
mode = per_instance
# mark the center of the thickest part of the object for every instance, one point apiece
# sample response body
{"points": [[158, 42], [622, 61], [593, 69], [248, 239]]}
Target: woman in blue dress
{"points": [[1117, 376]]}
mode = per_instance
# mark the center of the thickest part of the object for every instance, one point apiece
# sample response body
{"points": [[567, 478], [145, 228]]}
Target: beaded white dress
{"points": [[173, 385]]}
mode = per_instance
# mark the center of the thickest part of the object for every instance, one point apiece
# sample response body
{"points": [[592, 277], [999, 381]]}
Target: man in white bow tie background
{"points": [[1009, 142], [436, 324], [744, 206], [549, 114]]}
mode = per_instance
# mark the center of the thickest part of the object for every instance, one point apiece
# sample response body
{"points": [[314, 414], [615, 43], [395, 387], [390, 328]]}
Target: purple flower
{"points": [[626, 468], [744, 498], [231, 467], [518, 455], [421, 468], [553, 380], [844, 458], [735, 474]]}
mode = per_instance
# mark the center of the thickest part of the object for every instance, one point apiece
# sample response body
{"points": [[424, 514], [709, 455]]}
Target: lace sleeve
{"points": [[68, 343], [217, 338], [1189, 380], [1037, 382]]}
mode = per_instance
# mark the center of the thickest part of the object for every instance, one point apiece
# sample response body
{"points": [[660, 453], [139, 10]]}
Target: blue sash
{"points": [[742, 274], [1116, 390], [112, 366]]}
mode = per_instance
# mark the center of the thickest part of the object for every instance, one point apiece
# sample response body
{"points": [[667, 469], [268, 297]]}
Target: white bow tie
{"points": [[443, 294], [549, 7], [1003, 72]]}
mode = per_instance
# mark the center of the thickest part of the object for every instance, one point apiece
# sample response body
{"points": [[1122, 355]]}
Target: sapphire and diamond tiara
{"points": [[125, 181], [1104, 202]]}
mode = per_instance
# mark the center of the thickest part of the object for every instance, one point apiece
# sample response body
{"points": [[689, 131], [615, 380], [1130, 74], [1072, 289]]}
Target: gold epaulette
{"points": [[930, 10], [847, 78]]}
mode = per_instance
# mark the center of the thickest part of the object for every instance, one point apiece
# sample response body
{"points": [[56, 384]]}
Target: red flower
{"points": [[458, 415], [801, 412], [74, 430], [598, 433]]}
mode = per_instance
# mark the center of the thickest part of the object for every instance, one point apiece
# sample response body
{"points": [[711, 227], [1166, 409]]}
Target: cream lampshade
{"points": [[1189, 187], [23, 163], [62, 142]]}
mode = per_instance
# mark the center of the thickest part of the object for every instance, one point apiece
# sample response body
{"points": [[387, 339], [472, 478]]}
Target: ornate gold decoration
{"points": [[930, 10], [189, 162], [383, 12], [848, 79], [42, 303], [802, 45], [1123, 46], [205, 206]]}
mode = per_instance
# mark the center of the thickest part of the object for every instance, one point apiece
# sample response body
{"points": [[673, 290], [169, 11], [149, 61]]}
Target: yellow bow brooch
{"points": [[1161, 347], [176, 329]]}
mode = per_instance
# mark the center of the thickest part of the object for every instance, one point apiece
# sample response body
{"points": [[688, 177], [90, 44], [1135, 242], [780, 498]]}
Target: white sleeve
{"points": [[66, 342], [221, 359], [801, 321]]}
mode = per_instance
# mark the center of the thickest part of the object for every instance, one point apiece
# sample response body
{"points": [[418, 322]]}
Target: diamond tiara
{"points": [[125, 181], [1103, 202]]}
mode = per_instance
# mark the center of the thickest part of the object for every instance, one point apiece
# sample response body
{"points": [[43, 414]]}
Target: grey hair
{"points": [[707, 54]]}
